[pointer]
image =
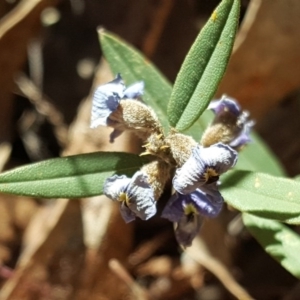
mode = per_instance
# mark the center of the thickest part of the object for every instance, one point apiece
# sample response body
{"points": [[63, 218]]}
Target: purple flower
{"points": [[225, 104], [203, 167], [188, 211], [228, 111], [107, 98], [135, 195]]}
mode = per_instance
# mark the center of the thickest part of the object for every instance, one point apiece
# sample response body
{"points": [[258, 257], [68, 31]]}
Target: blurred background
{"points": [[50, 62]]}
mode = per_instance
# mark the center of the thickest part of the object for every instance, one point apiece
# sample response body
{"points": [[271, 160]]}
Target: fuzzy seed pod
{"points": [[219, 132], [135, 116], [180, 147], [158, 174]]}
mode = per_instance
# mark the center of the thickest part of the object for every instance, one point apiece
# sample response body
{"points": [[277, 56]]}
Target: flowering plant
{"points": [[197, 165], [179, 145]]}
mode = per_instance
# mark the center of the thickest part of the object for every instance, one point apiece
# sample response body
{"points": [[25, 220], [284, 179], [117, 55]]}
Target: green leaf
{"points": [[204, 66], [263, 195], [133, 66], [69, 177], [278, 240], [258, 157]]}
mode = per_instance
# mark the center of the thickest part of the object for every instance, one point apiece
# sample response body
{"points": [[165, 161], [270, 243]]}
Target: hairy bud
{"points": [[158, 174], [135, 116], [180, 147]]}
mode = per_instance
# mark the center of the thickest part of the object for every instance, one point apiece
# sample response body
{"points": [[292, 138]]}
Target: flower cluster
{"points": [[197, 166]]}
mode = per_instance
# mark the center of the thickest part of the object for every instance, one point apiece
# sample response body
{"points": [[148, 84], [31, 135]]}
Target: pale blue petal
{"points": [[141, 201], [218, 157], [106, 100], [126, 213], [135, 90], [191, 174], [115, 185], [141, 196]]}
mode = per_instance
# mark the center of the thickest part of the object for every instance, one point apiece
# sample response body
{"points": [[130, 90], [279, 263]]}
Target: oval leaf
{"points": [[278, 240], [69, 177], [133, 66], [263, 195], [204, 66]]}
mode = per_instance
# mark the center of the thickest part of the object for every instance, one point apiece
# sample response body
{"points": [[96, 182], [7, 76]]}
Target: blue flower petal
{"points": [[187, 229], [106, 100], [141, 196], [225, 104], [126, 213], [188, 210], [115, 185], [135, 194], [228, 109], [204, 166], [208, 200], [135, 90], [244, 137], [173, 210], [188, 225]]}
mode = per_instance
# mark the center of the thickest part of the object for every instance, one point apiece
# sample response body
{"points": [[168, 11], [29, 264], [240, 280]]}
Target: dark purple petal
{"points": [[173, 211], [188, 210], [187, 229], [208, 200]]}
